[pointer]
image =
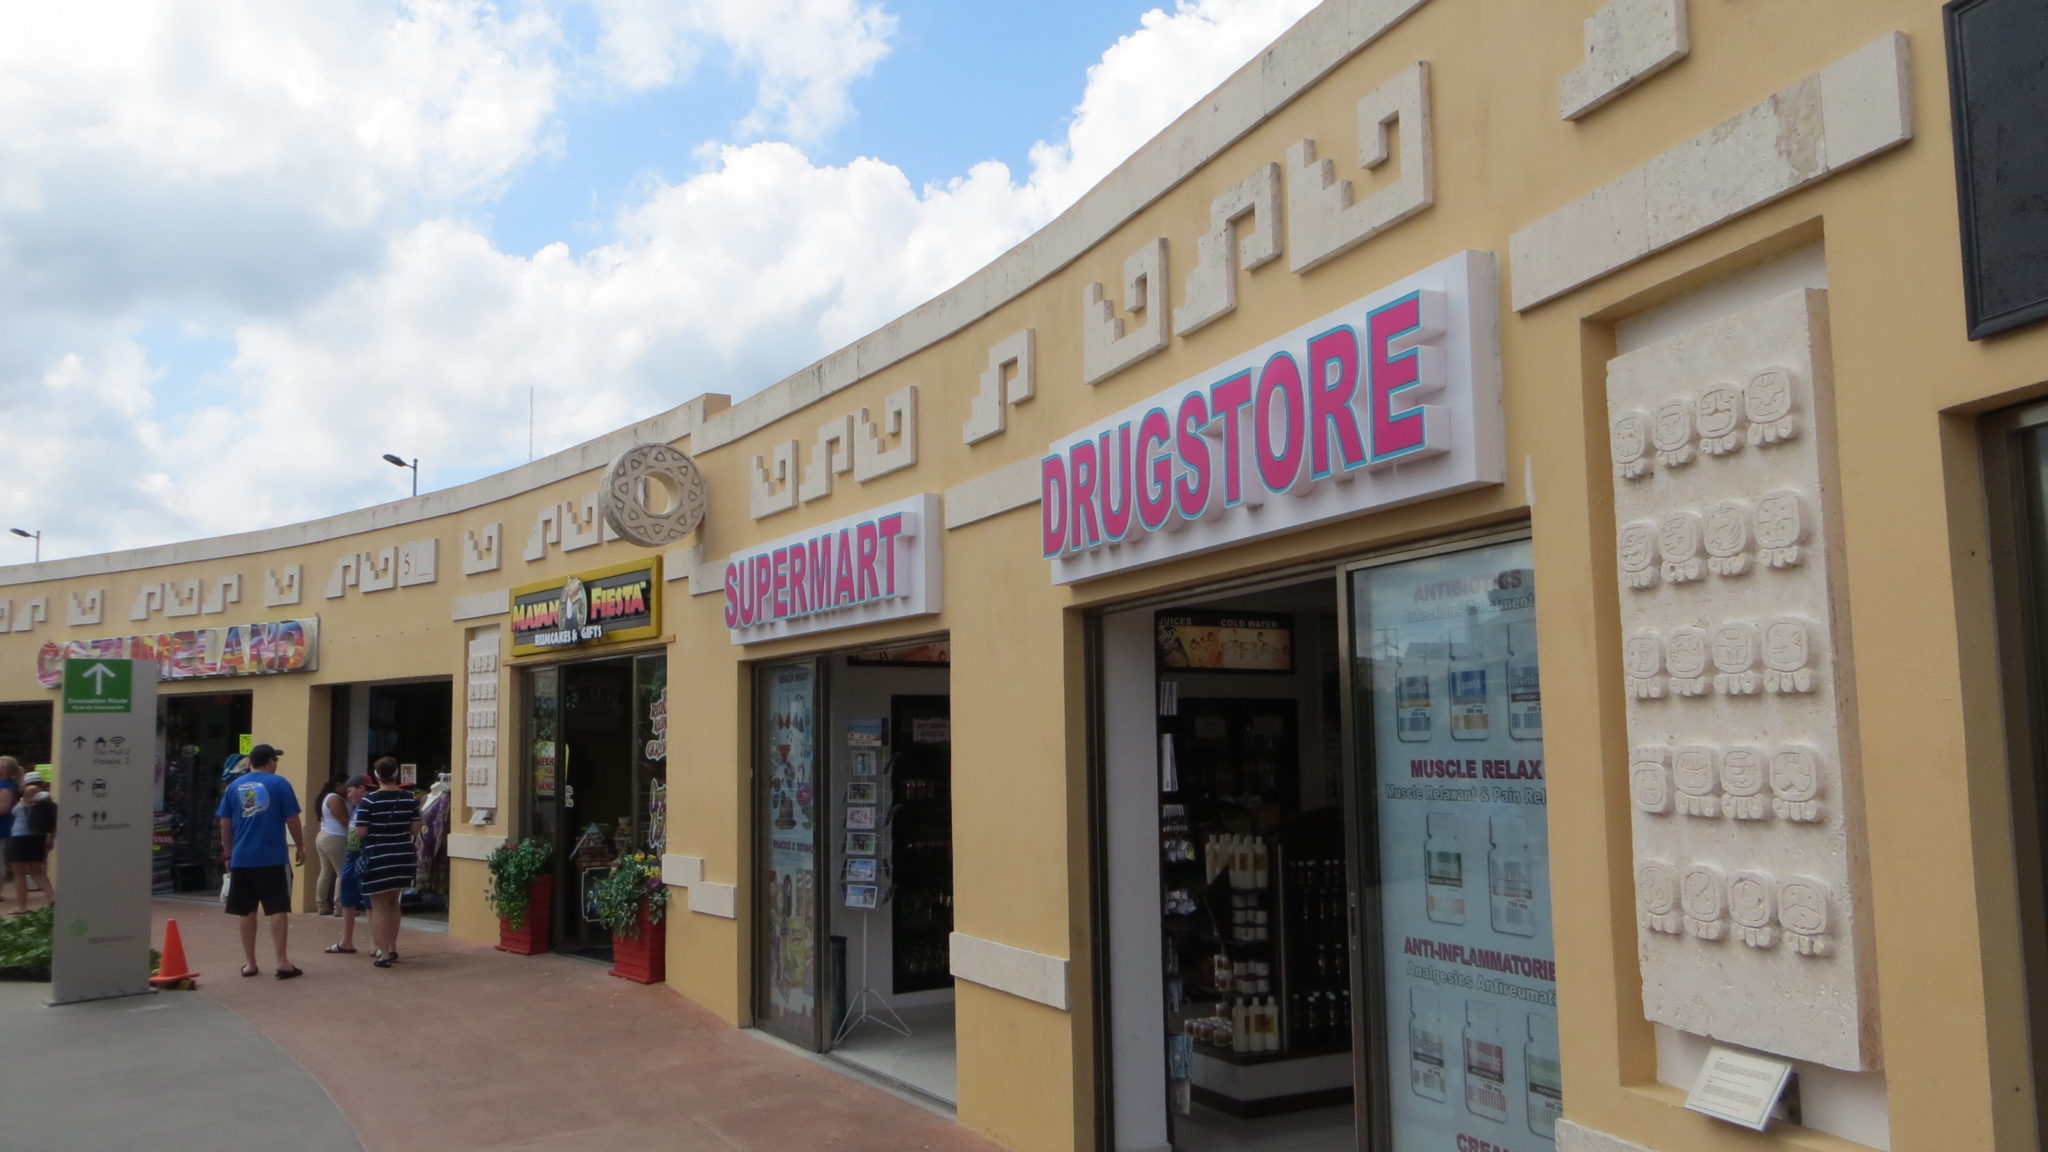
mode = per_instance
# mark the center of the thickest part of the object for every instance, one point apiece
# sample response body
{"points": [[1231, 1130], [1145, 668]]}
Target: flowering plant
{"points": [[634, 881], [512, 868]]}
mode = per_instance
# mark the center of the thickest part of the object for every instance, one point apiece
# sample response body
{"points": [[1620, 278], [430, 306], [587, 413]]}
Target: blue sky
{"points": [[327, 232]]}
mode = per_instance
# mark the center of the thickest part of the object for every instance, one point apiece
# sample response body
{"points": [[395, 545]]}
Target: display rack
{"points": [[921, 833]]}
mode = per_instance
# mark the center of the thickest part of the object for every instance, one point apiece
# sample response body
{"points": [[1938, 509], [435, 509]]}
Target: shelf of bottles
{"points": [[923, 839], [1318, 982]]}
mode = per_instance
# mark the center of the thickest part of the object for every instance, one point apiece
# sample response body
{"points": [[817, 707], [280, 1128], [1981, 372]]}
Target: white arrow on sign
{"points": [[99, 674]]}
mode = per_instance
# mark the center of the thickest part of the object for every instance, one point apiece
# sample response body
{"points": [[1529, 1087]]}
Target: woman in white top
{"points": [[332, 844]]}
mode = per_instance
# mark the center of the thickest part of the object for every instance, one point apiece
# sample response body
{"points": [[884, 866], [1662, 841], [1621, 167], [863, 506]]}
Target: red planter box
{"points": [[533, 938], [643, 959]]}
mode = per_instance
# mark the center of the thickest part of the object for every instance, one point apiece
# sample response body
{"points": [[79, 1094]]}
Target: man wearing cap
{"points": [[255, 812]]}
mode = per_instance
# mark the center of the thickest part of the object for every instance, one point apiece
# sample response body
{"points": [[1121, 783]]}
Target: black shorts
{"points": [[269, 886], [29, 849]]}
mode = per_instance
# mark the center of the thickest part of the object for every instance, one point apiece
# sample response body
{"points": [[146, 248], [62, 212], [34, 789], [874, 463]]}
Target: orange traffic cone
{"points": [[172, 972]]}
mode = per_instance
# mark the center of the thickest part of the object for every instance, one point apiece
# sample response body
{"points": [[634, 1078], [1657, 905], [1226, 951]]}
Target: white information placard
{"points": [[105, 784], [1739, 1088]]}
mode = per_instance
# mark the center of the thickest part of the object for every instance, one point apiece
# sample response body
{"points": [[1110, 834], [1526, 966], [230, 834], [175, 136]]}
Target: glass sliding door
{"points": [[1455, 966], [789, 703]]}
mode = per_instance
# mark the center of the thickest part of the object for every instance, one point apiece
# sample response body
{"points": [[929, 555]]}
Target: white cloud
{"points": [[421, 338], [805, 54]]}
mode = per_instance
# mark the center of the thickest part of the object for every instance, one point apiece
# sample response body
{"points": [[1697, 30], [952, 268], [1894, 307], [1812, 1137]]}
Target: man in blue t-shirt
{"points": [[255, 812]]}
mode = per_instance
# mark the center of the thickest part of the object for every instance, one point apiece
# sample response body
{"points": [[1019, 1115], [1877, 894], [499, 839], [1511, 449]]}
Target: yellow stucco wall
{"points": [[1909, 383]]}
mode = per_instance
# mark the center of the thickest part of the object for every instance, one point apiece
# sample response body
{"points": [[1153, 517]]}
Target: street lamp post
{"points": [[36, 536], [415, 466]]}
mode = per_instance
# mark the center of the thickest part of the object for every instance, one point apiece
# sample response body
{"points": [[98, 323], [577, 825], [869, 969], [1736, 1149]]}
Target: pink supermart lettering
{"points": [[1392, 399], [876, 565]]}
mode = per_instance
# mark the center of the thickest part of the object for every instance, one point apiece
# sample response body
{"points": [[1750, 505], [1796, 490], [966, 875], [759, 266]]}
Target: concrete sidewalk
{"points": [[168, 1072], [456, 1047]]}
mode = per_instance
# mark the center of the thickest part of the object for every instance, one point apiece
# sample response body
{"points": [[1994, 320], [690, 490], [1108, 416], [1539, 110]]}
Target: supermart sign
{"points": [[1391, 399]]}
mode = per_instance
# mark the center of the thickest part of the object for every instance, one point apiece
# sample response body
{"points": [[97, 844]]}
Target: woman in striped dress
{"points": [[387, 820]]}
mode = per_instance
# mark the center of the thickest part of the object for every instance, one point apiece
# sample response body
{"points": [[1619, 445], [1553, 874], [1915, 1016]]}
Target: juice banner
{"points": [[1469, 969]]}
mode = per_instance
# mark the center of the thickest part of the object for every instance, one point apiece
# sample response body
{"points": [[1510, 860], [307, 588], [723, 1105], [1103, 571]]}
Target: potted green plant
{"points": [[630, 901], [521, 892]]}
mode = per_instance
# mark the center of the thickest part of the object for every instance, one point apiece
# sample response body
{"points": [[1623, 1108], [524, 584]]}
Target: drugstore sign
{"points": [[882, 564], [607, 605], [1389, 400]]}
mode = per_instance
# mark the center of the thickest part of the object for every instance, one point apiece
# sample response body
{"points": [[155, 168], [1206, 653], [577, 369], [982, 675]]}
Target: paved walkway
{"points": [[458, 1047]]}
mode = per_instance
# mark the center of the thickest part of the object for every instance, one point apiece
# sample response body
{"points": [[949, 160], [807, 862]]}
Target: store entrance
{"points": [[412, 722], [856, 835], [597, 777], [1324, 809], [200, 733], [1228, 858]]}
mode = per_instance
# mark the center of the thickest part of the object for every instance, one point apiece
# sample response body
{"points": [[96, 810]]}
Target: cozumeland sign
{"points": [[1386, 401]]}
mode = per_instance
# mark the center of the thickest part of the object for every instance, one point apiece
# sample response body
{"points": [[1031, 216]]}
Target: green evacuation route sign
{"points": [[99, 685]]}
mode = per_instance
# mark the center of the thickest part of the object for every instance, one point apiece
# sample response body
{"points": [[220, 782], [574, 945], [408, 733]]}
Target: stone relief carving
{"points": [[1657, 896], [1703, 897], [1779, 529], [1649, 780], [1211, 290], [582, 523], [377, 569], [547, 529], [1803, 912], [831, 455], [1685, 658], [1739, 747], [1324, 219], [1717, 417], [1678, 539], [148, 599], [33, 611], [418, 562], [281, 586], [1769, 403], [1671, 433], [1627, 42], [181, 597], [1735, 653], [1725, 534], [988, 413], [1637, 548], [483, 549], [1795, 784], [873, 460], [1643, 659], [1742, 779], [1692, 765], [86, 608], [1752, 902], [1628, 441], [1106, 346], [226, 590]]}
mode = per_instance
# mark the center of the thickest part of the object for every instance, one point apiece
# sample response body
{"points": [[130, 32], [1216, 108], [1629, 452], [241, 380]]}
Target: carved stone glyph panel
{"points": [[869, 443], [1750, 864], [1627, 42], [24, 616]]}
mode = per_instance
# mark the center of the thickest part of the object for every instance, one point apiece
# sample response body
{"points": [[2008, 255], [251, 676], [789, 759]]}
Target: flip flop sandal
{"points": [[385, 962], [288, 973], [251, 970], [338, 950]]}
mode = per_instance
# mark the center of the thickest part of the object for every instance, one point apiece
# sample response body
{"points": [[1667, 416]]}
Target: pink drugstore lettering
{"points": [[829, 571], [1271, 431]]}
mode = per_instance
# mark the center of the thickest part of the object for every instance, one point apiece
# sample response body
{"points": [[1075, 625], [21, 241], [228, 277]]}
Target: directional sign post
{"points": [[105, 791]]}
